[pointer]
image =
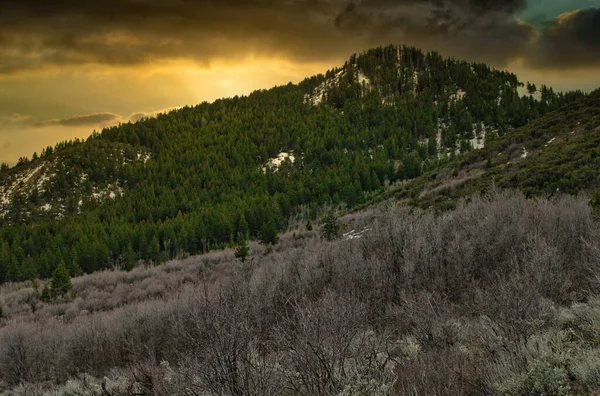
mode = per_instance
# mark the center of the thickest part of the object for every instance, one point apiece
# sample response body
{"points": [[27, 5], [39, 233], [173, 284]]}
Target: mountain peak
{"points": [[181, 183]]}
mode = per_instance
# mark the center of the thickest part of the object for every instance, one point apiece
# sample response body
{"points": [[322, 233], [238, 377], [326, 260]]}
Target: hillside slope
{"points": [[207, 176], [558, 153], [499, 297]]}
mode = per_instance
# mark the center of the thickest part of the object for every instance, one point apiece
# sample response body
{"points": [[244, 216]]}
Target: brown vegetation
{"points": [[496, 297]]}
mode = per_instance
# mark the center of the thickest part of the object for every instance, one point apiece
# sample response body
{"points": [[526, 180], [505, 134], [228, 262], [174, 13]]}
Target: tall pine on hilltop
{"points": [[202, 177]]}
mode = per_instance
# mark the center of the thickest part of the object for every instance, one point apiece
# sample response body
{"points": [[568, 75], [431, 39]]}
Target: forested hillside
{"points": [[558, 153], [205, 176]]}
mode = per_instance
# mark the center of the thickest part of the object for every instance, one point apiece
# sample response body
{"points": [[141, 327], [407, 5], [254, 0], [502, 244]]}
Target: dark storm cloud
{"points": [[483, 29], [96, 119], [38, 33], [141, 31], [572, 40]]}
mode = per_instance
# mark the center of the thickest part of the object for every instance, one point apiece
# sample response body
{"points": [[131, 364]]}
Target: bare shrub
{"points": [[477, 301], [329, 348]]}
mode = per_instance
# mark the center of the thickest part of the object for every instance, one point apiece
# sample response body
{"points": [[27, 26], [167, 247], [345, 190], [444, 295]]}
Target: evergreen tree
{"points": [[12, 272], [268, 233], [73, 268], [330, 226], [46, 295], [243, 229], [128, 258], [309, 226], [242, 251], [432, 148], [595, 201], [155, 250], [61, 280], [28, 270], [44, 267], [5, 261]]}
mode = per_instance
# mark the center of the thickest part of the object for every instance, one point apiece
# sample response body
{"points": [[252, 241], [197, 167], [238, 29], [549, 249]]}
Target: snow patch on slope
{"points": [[110, 192], [478, 142], [25, 179], [318, 95], [144, 157], [522, 91], [24, 182], [458, 95], [274, 163], [355, 234], [363, 80]]}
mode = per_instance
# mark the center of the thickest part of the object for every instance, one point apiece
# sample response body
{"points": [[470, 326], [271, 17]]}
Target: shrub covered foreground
{"points": [[497, 297]]}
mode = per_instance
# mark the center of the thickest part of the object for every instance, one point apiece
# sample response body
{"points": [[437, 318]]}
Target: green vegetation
{"points": [[330, 226], [472, 290], [198, 178], [563, 156], [242, 250], [46, 294], [498, 297], [61, 281], [268, 233]]}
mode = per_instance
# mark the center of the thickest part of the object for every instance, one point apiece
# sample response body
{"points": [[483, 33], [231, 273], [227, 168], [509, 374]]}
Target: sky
{"points": [[69, 67]]}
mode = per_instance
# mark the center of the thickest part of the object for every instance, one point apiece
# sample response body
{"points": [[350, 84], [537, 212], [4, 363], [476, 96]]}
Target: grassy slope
{"points": [[570, 163]]}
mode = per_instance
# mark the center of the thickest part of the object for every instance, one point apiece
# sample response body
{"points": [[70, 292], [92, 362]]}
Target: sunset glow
{"points": [[62, 66]]}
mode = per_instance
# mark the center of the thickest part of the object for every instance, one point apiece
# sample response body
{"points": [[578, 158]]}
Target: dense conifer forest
{"points": [[203, 177]]}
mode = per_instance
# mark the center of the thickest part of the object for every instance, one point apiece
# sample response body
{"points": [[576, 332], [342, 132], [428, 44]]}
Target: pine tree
{"points": [[28, 270], [595, 201], [268, 233], [61, 280], [128, 258], [432, 148], [155, 250], [12, 271], [73, 268], [5, 259], [243, 229], [330, 228], [242, 251], [46, 295]]}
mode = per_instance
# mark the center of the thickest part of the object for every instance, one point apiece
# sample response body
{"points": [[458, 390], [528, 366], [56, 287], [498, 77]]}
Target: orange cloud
{"points": [[16, 117], [95, 119]]}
